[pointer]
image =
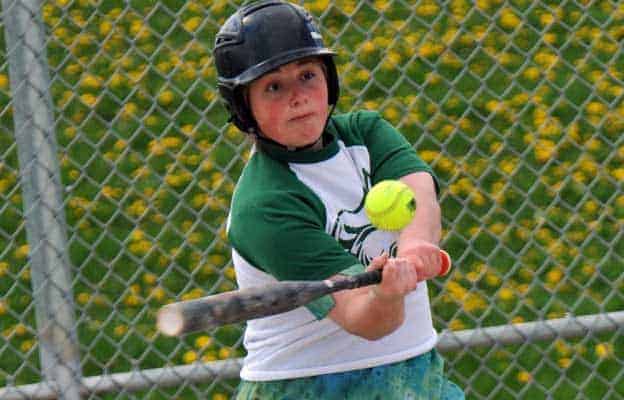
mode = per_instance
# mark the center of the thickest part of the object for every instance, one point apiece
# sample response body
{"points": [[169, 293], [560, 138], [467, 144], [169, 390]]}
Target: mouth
{"points": [[301, 117]]}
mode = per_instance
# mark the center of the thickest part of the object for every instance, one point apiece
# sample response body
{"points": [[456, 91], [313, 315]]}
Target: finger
{"points": [[378, 262]]}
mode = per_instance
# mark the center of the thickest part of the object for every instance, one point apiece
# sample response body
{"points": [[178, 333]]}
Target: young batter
{"points": [[297, 214]]}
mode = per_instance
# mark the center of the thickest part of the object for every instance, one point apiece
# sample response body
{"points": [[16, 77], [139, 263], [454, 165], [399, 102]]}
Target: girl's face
{"points": [[290, 103]]}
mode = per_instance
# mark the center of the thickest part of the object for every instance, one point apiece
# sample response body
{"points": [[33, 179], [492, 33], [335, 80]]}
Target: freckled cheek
{"points": [[270, 118]]}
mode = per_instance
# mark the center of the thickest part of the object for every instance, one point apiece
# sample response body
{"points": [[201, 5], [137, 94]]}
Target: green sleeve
{"points": [[392, 156], [284, 235], [322, 306]]}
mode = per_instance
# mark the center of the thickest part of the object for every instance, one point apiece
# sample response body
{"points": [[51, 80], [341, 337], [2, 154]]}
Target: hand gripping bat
{"points": [[260, 301]]}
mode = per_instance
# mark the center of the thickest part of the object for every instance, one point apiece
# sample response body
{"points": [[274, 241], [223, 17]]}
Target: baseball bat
{"points": [[260, 301]]}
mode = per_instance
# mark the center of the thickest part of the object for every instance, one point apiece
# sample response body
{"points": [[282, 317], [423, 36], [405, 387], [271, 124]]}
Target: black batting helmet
{"points": [[259, 38]]}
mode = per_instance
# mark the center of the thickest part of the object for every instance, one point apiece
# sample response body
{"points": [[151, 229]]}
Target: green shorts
{"points": [[419, 378]]}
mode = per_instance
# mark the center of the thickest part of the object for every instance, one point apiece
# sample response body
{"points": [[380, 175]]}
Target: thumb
{"points": [[378, 262]]}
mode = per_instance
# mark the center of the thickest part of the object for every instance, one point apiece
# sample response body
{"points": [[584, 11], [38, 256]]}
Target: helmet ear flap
{"points": [[333, 86], [236, 104]]}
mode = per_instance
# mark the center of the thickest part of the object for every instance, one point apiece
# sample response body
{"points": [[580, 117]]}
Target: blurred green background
{"points": [[518, 106]]}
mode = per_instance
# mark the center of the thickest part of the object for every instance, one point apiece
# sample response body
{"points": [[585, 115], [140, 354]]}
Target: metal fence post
{"points": [[42, 193]]}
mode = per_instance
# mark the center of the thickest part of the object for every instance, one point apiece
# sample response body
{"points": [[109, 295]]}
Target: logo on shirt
{"points": [[354, 232]]}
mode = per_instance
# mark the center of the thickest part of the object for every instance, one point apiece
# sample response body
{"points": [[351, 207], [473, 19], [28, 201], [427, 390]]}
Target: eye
{"points": [[308, 75], [273, 87]]}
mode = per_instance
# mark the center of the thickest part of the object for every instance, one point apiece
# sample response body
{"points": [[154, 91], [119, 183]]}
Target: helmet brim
{"points": [[272, 63]]}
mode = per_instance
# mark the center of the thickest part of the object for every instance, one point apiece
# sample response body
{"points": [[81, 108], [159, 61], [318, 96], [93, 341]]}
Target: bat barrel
{"points": [[170, 320], [237, 306]]}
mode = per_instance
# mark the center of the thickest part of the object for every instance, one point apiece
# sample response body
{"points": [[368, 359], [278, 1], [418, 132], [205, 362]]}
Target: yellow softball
{"points": [[390, 205]]}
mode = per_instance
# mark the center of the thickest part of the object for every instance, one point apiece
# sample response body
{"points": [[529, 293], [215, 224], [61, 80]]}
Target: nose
{"points": [[298, 96]]}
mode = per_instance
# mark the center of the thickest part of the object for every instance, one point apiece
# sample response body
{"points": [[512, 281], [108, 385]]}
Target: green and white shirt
{"points": [[300, 216]]}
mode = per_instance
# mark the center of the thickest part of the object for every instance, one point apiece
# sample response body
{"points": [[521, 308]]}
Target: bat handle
{"points": [[367, 278], [374, 277]]}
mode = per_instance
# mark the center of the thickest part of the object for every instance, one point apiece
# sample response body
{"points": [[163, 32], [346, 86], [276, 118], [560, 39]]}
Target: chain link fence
{"points": [[117, 166]]}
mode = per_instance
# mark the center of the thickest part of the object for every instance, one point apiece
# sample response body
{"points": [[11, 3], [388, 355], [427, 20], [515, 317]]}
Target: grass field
{"points": [[518, 105]]}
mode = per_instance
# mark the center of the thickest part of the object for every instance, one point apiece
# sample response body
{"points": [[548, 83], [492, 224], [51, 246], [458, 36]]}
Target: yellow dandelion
{"points": [[531, 73], [88, 99], [25, 274], [160, 219], [596, 108], [129, 110], [508, 19], [203, 342], [140, 248], [4, 81], [474, 302], [175, 180], [26, 345], [137, 208], [554, 276], [192, 24], [618, 174], [546, 19], [427, 9], [135, 26], [90, 81], [3, 307], [590, 207], [187, 129], [604, 350], [193, 7], [150, 278], [492, 279], [189, 357], [111, 192], [230, 273], [152, 120], [478, 199], [456, 325], [497, 228], [473, 276], [483, 4], [120, 330], [545, 150], [172, 142], [192, 160], [158, 293], [4, 185], [524, 377], [506, 294], [321, 5], [429, 155], [166, 97], [20, 330], [21, 252], [83, 298], [194, 238], [193, 294], [219, 396], [199, 200], [368, 47], [430, 49], [225, 352], [105, 27], [113, 13], [391, 113], [156, 148], [74, 174]]}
